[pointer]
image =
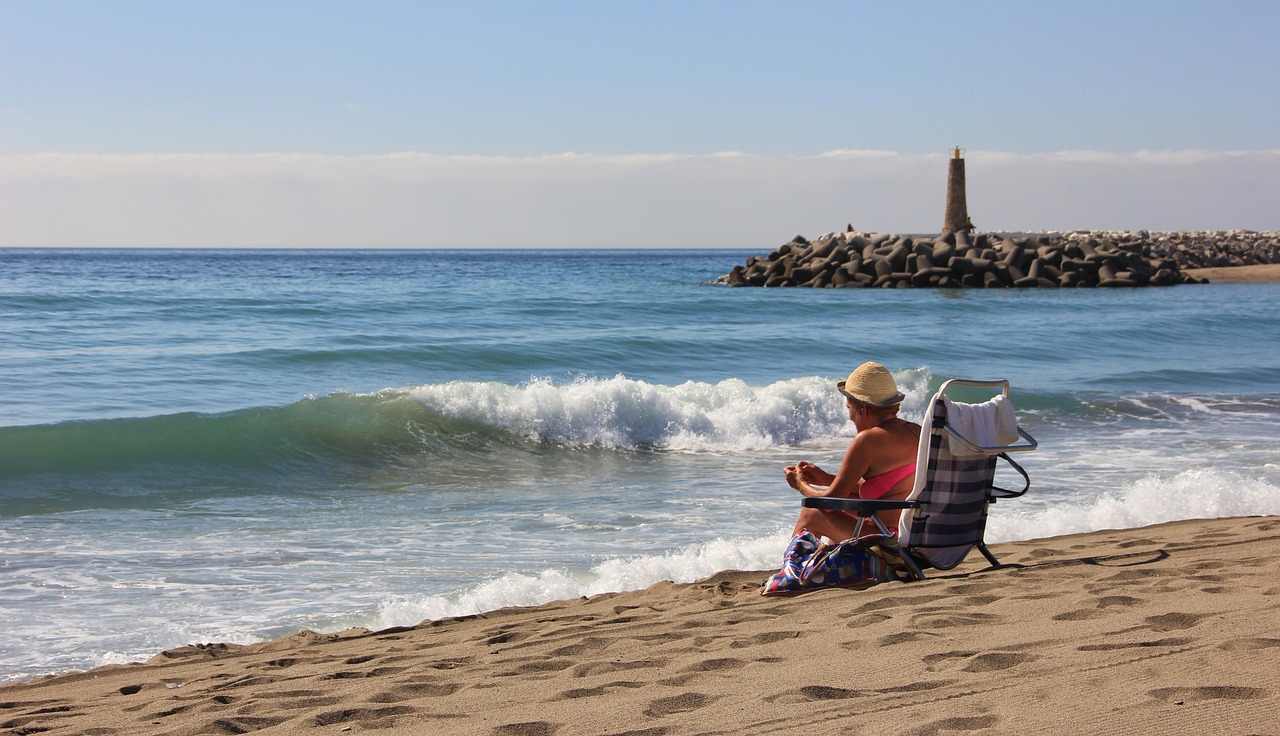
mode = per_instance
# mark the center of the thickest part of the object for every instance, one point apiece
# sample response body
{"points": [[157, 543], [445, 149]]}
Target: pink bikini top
{"points": [[878, 485]]}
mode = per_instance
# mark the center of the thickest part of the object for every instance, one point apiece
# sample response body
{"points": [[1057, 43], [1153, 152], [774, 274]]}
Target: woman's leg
{"points": [[835, 525]]}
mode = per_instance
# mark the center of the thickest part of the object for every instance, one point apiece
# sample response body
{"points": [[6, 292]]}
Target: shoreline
{"points": [[1174, 623], [1263, 272]]}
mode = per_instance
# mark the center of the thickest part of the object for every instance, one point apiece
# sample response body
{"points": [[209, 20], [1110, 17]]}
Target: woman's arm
{"points": [[846, 481], [808, 478]]}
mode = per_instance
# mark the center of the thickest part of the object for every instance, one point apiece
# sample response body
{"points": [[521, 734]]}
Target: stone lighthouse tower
{"points": [[957, 217]]}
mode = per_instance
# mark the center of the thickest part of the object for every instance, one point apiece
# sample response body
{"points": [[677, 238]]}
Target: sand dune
{"points": [[1168, 628]]}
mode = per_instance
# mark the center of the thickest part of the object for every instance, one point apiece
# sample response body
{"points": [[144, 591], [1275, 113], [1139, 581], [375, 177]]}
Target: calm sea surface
{"points": [[201, 446]]}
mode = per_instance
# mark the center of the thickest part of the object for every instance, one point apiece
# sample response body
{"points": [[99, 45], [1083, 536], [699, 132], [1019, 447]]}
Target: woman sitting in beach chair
{"points": [[943, 513], [879, 464]]}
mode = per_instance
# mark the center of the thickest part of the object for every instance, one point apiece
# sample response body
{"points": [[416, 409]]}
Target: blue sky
{"points": [[428, 124]]}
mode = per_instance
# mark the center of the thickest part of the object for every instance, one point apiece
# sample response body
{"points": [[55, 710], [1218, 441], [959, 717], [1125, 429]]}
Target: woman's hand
{"points": [[812, 474], [792, 474], [805, 473]]}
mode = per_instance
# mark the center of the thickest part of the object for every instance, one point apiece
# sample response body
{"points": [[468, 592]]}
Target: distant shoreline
{"points": [[1262, 272]]}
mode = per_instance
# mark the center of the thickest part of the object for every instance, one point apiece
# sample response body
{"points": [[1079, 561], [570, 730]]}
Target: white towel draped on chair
{"points": [[989, 424]]}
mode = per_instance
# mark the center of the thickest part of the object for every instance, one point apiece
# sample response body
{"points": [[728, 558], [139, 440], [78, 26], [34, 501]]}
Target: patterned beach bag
{"points": [[808, 564]]}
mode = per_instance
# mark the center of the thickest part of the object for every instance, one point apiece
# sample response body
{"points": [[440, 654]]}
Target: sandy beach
{"points": [[1260, 272], [1143, 630]]}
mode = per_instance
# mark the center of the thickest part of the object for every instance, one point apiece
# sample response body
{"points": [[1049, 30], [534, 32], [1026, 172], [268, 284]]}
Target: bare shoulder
{"points": [[889, 437], [872, 438], [896, 428]]}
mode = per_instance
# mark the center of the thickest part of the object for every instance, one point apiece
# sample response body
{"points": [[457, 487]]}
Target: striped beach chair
{"points": [[945, 516]]}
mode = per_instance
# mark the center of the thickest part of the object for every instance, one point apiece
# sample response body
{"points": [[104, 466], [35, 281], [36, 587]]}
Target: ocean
{"points": [[235, 445]]}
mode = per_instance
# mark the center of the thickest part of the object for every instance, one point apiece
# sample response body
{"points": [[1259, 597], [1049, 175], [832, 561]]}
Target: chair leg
{"points": [[916, 572], [982, 547], [875, 520]]}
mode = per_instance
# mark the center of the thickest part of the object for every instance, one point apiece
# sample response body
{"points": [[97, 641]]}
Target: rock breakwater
{"points": [[992, 260], [1208, 249]]}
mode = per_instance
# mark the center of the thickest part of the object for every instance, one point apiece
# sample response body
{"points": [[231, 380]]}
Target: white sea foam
{"points": [[1192, 494], [625, 413], [612, 575], [1155, 499]]}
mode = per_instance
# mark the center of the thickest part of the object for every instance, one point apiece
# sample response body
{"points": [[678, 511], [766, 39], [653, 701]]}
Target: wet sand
{"points": [[1141, 631]]}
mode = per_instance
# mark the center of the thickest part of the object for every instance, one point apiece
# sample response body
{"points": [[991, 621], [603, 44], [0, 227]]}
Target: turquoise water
{"points": [[236, 445]]}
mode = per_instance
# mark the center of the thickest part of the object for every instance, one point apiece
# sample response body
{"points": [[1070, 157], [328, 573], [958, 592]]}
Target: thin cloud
{"points": [[722, 199]]}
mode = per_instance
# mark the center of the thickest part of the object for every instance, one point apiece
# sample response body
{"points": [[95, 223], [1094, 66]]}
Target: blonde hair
{"points": [[882, 412], [879, 412]]}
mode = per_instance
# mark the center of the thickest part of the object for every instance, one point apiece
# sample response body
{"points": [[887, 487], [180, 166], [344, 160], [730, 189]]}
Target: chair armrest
{"points": [[859, 506]]}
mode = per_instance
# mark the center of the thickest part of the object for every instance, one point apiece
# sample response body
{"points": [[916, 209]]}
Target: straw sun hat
{"points": [[871, 384]]}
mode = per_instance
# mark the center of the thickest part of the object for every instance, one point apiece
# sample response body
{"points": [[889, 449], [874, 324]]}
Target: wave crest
{"points": [[625, 413]]}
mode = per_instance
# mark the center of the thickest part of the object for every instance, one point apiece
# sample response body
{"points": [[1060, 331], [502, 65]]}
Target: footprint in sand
{"points": [[995, 661], [957, 723], [1216, 589], [1249, 644], [1104, 602], [768, 637], [710, 665], [812, 693], [1107, 601], [866, 619], [247, 681], [532, 728], [243, 724], [252, 708], [20, 723], [902, 637], [1081, 614], [1194, 694], [280, 694], [678, 704], [826, 692], [1175, 621], [449, 664], [1168, 642], [943, 656], [357, 674], [942, 620], [975, 662], [506, 637], [895, 602], [970, 588], [587, 669], [538, 666], [589, 645], [416, 691], [367, 717], [591, 692]]}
